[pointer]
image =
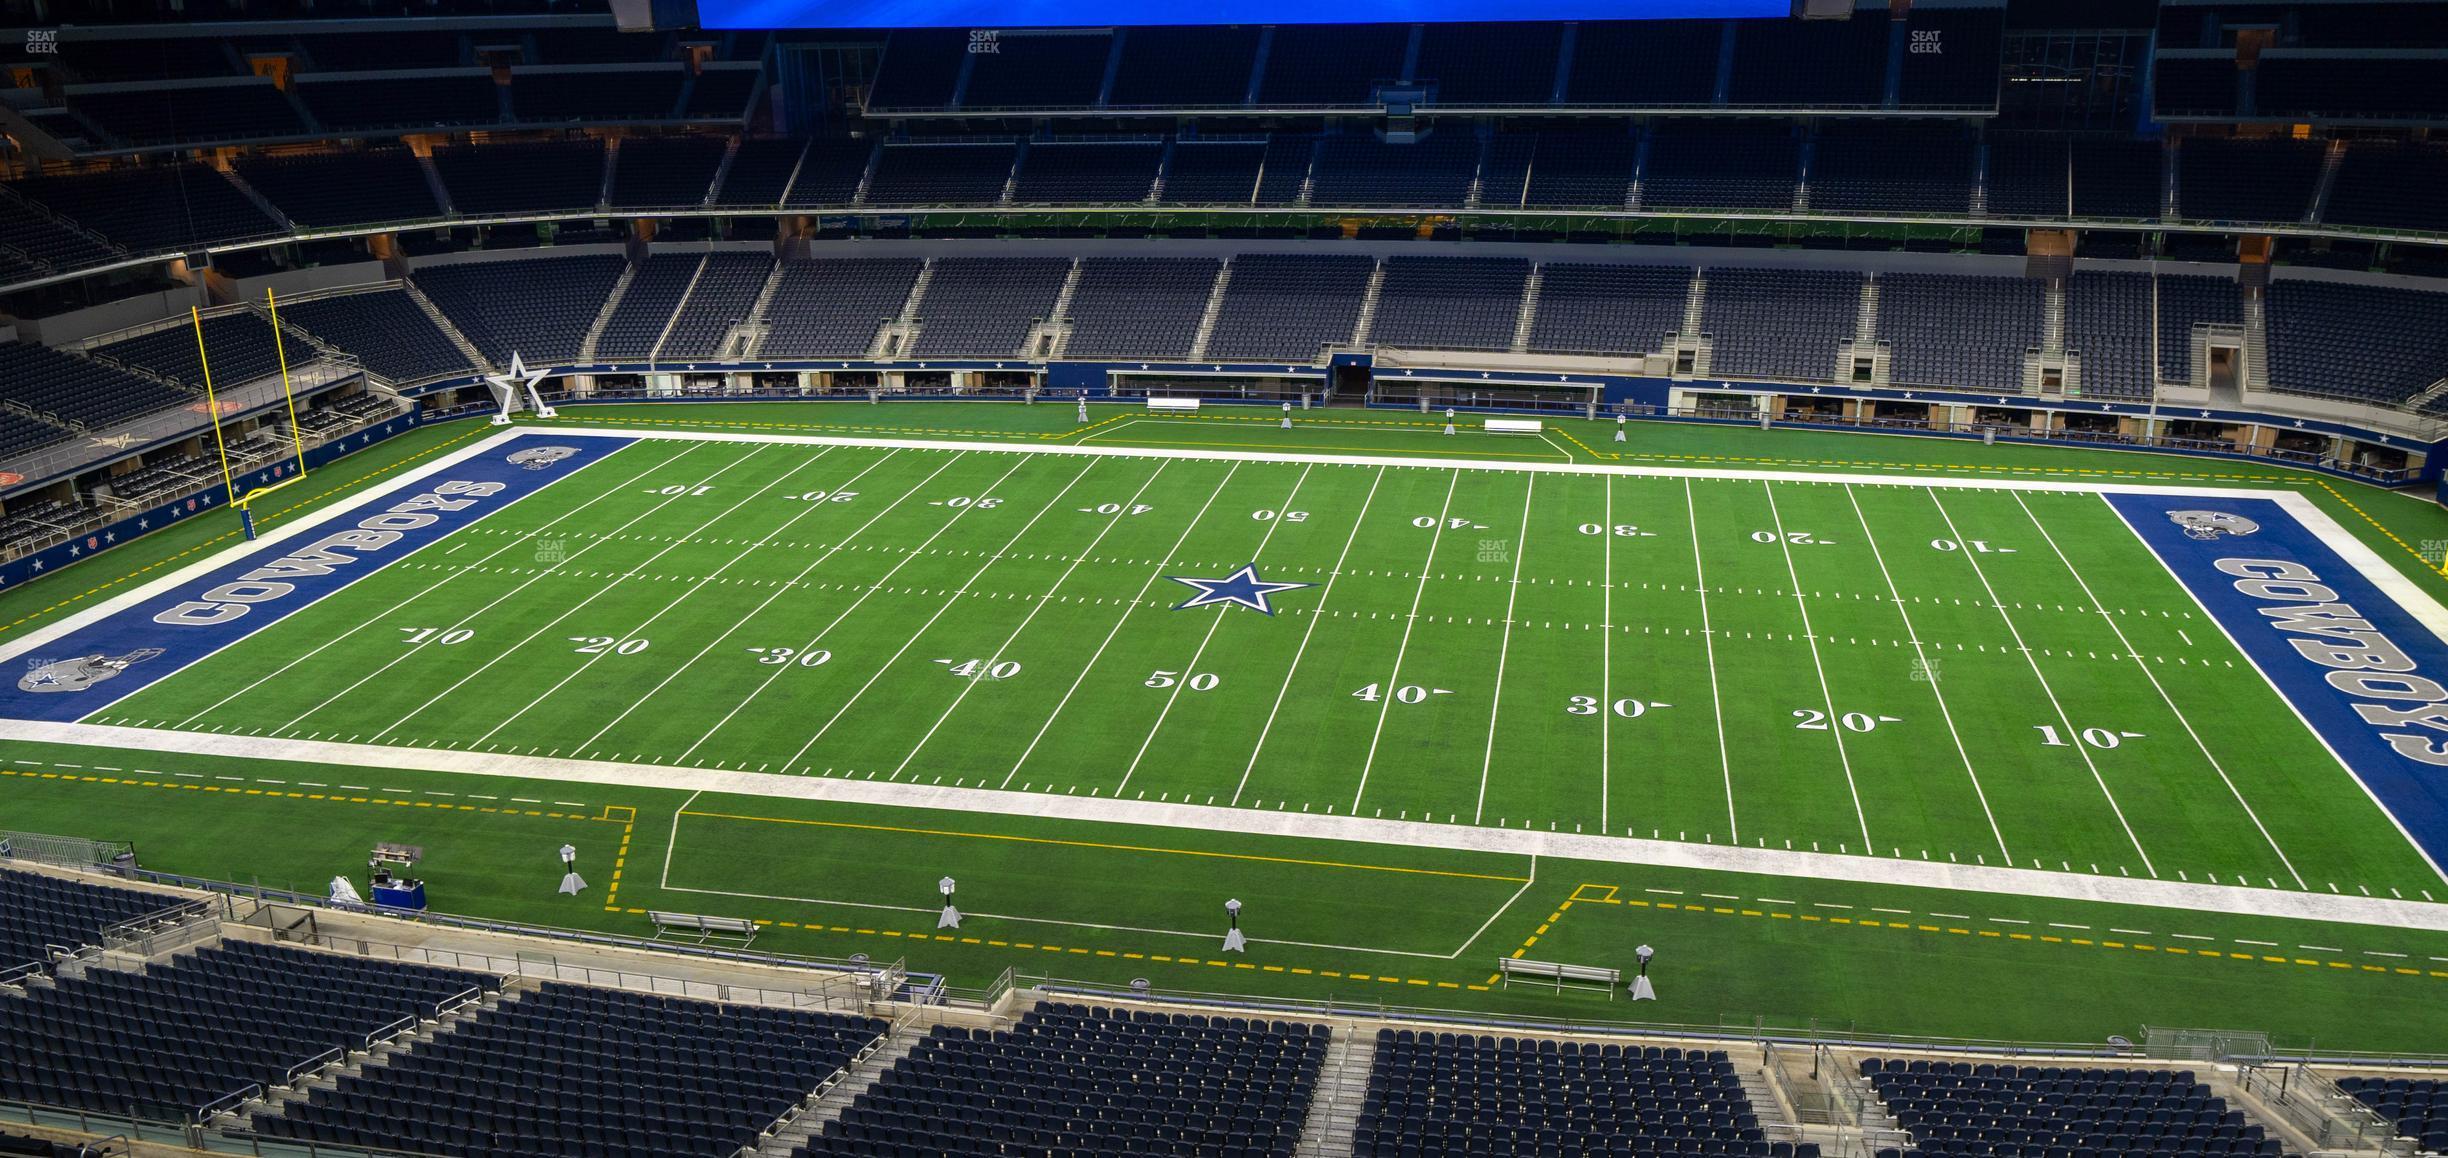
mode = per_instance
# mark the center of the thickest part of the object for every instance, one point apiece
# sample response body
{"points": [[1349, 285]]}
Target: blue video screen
{"points": [[1009, 14]]}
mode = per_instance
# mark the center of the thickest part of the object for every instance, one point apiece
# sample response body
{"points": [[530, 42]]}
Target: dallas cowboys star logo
{"points": [[1242, 587]]}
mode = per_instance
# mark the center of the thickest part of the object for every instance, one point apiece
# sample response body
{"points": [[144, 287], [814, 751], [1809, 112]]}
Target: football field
{"points": [[1907, 673]]}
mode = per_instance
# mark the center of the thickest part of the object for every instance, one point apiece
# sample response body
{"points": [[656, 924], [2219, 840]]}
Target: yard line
{"points": [[1212, 624], [699, 584], [1386, 702], [1521, 547], [1826, 694], [1037, 606], [1116, 629], [947, 606], [1606, 654], [1973, 557], [673, 844], [778, 592], [1922, 655], [1708, 640], [592, 596], [505, 596], [2164, 697], [436, 585], [1303, 649], [855, 604]]}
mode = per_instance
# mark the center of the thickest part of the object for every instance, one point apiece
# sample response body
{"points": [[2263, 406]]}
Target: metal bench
{"points": [[1562, 976], [707, 928]]}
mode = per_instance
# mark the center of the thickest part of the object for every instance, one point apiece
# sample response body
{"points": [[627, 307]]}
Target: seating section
{"points": [[828, 175], [494, 180], [19, 434], [239, 343], [33, 525], [2391, 186], [832, 307], [1212, 174], [1489, 64], [1076, 1080], [383, 328], [2117, 178], [941, 174], [567, 1069], [761, 172], [1778, 323], [645, 308], [1678, 62], [1449, 303], [1434, 1094], [329, 190], [1088, 174], [181, 1035], [51, 242], [571, 98], [1958, 331], [2028, 175], [1185, 67], [1608, 309], [1287, 307], [2379, 344], [1360, 169], [1968, 1108], [164, 208], [540, 308], [1309, 65], [663, 172], [39, 911], [451, 101], [2185, 302], [1887, 170], [1736, 166], [1582, 170], [2247, 180], [984, 306], [722, 298], [1139, 307], [191, 115], [2418, 1106], [79, 391], [1039, 70], [2108, 324]]}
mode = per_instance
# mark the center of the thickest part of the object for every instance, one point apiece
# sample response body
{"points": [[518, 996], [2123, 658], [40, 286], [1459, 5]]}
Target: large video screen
{"points": [[1009, 14]]}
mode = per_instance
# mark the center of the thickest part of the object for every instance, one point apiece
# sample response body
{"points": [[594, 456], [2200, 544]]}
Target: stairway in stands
{"points": [[1215, 305], [826, 1105], [1334, 1111], [1525, 321], [442, 322], [678, 308], [603, 317], [1368, 306], [275, 1100]]}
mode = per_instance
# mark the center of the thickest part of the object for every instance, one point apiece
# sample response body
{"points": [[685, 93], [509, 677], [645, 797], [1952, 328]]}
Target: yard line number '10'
{"points": [[438, 635]]}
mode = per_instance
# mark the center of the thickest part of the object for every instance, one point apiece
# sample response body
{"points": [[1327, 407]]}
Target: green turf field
{"points": [[1892, 672]]}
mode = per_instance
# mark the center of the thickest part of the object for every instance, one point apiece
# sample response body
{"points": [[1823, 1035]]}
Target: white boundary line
{"points": [[1864, 869]]}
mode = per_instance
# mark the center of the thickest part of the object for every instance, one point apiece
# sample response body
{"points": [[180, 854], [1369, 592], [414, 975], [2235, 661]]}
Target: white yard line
{"points": [[1606, 656], [1303, 649], [778, 593], [437, 584], [2063, 720], [504, 597], [1827, 695], [2130, 653], [696, 585], [1708, 640], [948, 603], [1161, 566], [1035, 606], [2201, 897], [1921, 654], [1487, 759], [573, 608], [1385, 702], [1190, 670]]}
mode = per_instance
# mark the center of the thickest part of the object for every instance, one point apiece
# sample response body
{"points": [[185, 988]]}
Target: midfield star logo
{"points": [[1242, 587]]}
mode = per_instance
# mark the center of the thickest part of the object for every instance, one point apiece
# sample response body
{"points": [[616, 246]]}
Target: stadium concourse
{"points": [[239, 1022]]}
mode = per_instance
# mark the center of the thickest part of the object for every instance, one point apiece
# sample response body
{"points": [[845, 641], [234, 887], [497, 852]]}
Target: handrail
{"points": [[235, 1098], [385, 1033], [318, 1061]]}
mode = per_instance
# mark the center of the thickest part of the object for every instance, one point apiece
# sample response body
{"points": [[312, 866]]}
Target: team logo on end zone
{"points": [[2207, 525], [539, 457], [76, 675]]}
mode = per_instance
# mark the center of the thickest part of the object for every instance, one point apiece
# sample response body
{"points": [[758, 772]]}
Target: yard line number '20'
{"points": [[1814, 720], [603, 644], [1797, 538]]}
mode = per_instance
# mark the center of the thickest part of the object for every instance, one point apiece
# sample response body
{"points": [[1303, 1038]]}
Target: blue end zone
{"points": [[94, 666], [2267, 580]]}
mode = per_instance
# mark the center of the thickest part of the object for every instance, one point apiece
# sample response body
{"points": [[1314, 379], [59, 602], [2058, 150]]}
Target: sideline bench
{"points": [[1563, 976], [707, 928], [1513, 426], [1172, 403]]}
